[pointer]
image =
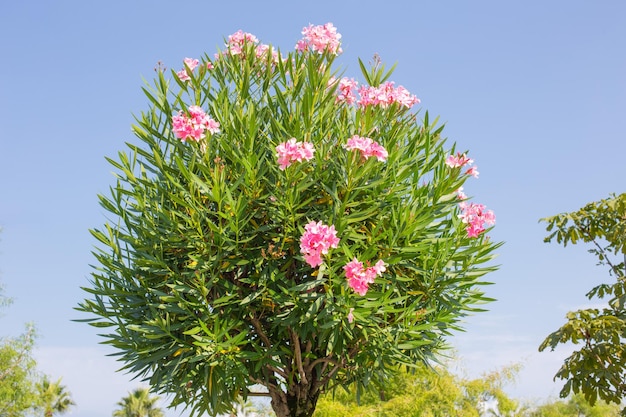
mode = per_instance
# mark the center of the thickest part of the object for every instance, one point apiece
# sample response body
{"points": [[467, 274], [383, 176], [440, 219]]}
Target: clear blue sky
{"points": [[535, 90]]}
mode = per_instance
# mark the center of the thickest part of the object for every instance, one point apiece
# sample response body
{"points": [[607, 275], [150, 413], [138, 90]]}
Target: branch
{"points": [[295, 339], [329, 376], [278, 371], [326, 361], [259, 329], [606, 258], [259, 394], [337, 366], [21, 353]]}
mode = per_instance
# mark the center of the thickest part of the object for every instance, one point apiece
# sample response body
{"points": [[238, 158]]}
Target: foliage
{"points": [[17, 370], [21, 391], [138, 403], [598, 368], [53, 397], [426, 391], [574, 407], [17, 374], [423, 392], [270, 229]]}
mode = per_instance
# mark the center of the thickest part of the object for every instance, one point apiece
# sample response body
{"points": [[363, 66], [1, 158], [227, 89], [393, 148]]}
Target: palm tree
{"points": [[138, 403], [242, 408], [53, 397]]}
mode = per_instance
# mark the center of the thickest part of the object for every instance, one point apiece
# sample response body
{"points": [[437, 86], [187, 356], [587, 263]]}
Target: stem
{"points": [[298, 356]]}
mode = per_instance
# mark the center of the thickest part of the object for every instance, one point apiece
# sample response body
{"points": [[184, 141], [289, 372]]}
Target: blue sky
{"points": [[536, 91]]}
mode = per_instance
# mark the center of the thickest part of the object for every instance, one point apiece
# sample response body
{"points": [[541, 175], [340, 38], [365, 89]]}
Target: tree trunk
{"points": [[300, 401]]}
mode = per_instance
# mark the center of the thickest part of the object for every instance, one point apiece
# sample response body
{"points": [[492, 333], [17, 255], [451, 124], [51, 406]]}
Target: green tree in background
{"points": [[53, 397], [434, 392], [427, 392], [17, 375], [17, 371], [575, 406], [21, 389], [598, 369], [270, 228], [138, 403]]}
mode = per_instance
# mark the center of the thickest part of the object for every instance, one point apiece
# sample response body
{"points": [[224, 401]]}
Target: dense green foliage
{"points": [[17, 370], [200, 282], [434, 392], [425, 392], [18, 391], [598, 368], [575, 406]]}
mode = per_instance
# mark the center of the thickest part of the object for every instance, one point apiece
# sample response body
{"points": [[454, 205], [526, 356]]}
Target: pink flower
{"points": [[380, 267], [319, 39], [193, 126], [345, 90], [212, 126], [476, 217], [404, 98], [209, 65], [238, 40], [359, 277], [190, 65], [316, 240], [385, 95], [262, 50], [182, 75], [350, 315], [473, 171], [460, 194], [293, 150], [458, 160], [367, 147]]}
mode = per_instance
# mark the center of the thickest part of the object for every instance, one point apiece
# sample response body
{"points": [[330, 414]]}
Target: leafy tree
{"points": [[576, 406], [17, 371], [17, 374], [270, 229], [20, 390], [53, 397], [138, 403], [424, 392], [598, 368]]}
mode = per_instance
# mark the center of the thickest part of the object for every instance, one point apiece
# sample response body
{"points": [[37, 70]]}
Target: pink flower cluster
{"points": [[194, 125], [359, 277], [316, 241], [385, 95], [320, 39], [460, 160], [367, 147], [238, 40], [262, 50], [293, 150], [476, 217], [345, 89]]}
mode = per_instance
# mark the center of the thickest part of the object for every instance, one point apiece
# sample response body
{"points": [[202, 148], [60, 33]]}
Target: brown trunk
{"points": [[300, 401]]}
